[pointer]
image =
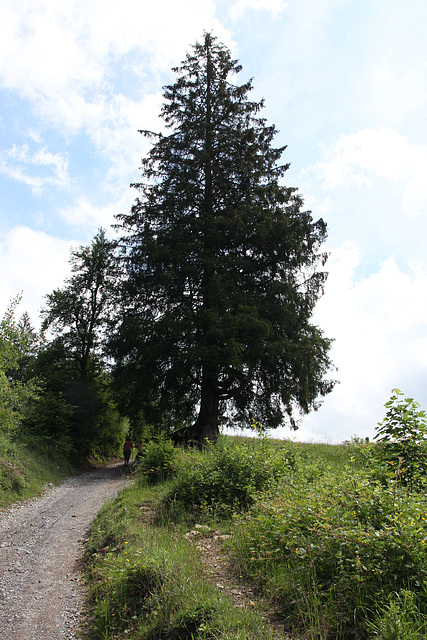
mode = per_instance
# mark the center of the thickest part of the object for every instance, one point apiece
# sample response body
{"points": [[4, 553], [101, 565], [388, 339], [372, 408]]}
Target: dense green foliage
{"points": [[55, 387], [17, 344], [223, 266], [402, 438], [25, 470], [340, 545], [225, 478], [338, 553], [76, 407], [158, 461]]}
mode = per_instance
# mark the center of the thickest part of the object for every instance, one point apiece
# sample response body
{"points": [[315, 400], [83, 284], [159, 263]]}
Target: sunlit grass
{"points": [[314, 528], [146, 582]]}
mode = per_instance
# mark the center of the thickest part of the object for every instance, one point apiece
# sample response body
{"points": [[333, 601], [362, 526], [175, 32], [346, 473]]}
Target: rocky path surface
{"points": [[41, 543]]}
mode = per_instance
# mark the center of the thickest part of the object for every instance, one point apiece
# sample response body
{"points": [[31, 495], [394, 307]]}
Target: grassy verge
{"points": [[25, 471], [338, 554], [146, 583]]}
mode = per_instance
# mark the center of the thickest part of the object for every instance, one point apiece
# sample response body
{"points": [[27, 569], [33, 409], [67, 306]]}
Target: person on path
{"points": [[127, 448]]}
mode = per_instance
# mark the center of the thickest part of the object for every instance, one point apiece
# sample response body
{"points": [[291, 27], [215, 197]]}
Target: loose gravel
{"points": [[41, 546]]}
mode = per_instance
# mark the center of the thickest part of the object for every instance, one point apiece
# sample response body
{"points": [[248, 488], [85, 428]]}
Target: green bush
{"points": [[158, 461], [340, 545], [227, 477], [402, 441]]}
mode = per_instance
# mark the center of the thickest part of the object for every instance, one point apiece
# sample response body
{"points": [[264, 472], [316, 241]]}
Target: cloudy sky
{"points": [[344, 82]]}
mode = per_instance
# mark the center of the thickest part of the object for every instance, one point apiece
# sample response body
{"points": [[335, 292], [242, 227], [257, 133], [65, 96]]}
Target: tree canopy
{"points": [[17, 344], [223, 265], [78, 313], [76, 406]]}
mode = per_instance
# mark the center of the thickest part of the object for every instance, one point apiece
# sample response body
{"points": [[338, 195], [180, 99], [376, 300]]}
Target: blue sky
{"points": [[345, 82]]}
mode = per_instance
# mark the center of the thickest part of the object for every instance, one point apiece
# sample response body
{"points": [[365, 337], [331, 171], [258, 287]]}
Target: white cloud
{"points": [[379, 324], [61, 55], [16, 163], [35, 263], [365, 157], [83, 212], [273, 6], [116, 136], [96, 68], [396, 64]]}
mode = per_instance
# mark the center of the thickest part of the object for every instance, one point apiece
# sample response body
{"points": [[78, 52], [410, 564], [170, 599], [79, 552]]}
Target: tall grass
{"points": [[146, 581]]}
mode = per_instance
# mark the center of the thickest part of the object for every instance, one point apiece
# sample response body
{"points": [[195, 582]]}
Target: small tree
{"points": [[402, 439], [18, 342]]}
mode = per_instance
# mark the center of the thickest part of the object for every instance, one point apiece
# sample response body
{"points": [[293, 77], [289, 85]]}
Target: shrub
{"points": [[227, 477], [402, 440], [158, 461], [341, 544]]}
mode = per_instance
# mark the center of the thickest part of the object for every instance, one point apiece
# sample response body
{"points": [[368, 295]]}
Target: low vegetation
{"points": [[25, 472], [331, 538]]}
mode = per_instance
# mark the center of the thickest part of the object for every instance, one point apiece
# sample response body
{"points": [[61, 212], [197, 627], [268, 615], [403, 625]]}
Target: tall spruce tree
{"points": [[223, 266]]}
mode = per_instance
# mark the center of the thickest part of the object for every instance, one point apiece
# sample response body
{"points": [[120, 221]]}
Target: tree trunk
{"points": [[206, 426]]}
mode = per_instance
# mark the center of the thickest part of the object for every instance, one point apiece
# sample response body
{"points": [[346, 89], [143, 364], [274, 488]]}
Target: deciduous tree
{"points": [[78, 314], [72, 366], [18, 345]]}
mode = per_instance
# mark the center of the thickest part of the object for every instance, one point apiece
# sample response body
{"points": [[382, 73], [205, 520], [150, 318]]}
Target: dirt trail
{"points": [[41, 542]]}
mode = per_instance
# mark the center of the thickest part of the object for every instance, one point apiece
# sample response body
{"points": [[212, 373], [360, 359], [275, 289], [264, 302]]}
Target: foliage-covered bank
{"points": [[331, 540], [24, 472]]}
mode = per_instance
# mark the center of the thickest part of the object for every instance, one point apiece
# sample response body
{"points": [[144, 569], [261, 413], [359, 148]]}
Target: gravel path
{"points": [[41, 543]]}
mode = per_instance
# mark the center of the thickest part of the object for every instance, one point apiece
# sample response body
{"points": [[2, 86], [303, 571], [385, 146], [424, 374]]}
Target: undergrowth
{"points": [[145, 581], [331, 539], [24, 471]]}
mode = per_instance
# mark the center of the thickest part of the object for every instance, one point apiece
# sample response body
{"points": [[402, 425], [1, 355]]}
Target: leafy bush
{"points": [[340, 545], [402, 440], [227, 477], [158, 461]]}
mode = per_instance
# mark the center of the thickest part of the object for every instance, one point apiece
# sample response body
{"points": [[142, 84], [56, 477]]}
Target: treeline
{"points": [[56, 393]]}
